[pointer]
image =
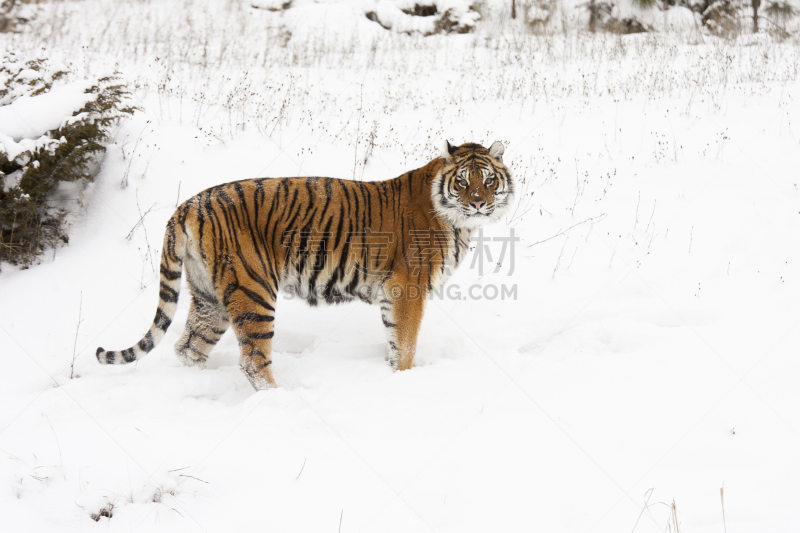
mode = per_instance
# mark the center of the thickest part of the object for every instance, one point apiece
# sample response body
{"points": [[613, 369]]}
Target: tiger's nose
{"points": [[477, 202]]}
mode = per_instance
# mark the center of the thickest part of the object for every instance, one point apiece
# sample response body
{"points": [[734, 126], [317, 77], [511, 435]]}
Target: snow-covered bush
{"points": [[620, 17], [538, 14], [14, 14], [51, 128], [780, 12], [428, 17], [632, 16], [624, 26], [721, 17]]}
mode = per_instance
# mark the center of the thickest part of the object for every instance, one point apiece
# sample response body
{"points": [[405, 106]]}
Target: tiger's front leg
{"points": [[402, 308]]}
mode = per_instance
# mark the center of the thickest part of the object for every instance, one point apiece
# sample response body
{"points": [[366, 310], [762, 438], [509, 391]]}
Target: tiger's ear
{"points": [[496, 150], [449, 150]]}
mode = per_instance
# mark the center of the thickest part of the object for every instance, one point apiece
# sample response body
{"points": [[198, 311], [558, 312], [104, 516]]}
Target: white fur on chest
{"points": [[456, 250]]}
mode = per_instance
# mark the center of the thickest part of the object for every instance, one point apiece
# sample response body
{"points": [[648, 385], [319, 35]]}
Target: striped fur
{"points": [[324, 240]]}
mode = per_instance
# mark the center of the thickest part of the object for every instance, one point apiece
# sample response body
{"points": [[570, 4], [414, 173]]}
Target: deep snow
{"points": [[652, 345]]}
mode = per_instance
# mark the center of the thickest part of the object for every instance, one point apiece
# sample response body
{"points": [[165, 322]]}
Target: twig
{"points": [[124, 182], [370, 148], [722, 502], [139, 222], [301, 468], [340, 520], [614, 251], [178, 199], [178, 469], [358, 130], [578, 188], [562, 232], [675, 516], [149, 253], [652, 237], [58, 445], [560, 254], [651, 215], [198, 479], [523, 193], [75, 344], [647, 495], [525, 212], [674, 139], [573, 257]]}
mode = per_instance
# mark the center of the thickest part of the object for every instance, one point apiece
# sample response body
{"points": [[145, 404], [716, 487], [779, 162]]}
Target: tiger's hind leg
{"points": [[252, 316], [206, 324]]}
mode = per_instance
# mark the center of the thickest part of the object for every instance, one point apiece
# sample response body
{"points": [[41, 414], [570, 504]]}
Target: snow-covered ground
{"points": [[650, 354]]}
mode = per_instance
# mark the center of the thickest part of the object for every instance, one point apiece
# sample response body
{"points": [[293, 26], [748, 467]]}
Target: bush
{"points": [[425, 18], [538, 14], [33, 164], [781, 11], [13, 14], [721, 17]]}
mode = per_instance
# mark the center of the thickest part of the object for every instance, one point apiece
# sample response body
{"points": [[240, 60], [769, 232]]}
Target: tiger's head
{"points": [[473, 187]]}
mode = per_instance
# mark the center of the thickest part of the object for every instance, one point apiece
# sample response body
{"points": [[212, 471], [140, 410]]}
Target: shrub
{"points": [[424, 18], [33, 166], [721, 17], [13, 14], [538, 14], [781, 11]]}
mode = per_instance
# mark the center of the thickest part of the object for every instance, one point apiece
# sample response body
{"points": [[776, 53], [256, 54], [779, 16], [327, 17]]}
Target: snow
{"points": [[25, 121], [651, 346], [29, 117]]}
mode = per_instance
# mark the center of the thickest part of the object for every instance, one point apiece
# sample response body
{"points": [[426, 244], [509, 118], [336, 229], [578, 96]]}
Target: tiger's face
{"points": [[474, 187]]}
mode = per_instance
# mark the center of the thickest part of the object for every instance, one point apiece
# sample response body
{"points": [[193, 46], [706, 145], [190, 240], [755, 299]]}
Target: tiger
{"points": [[387, 243]]}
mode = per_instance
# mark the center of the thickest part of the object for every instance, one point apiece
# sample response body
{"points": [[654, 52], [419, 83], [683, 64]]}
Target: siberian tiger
{"points": [[326, 240]]}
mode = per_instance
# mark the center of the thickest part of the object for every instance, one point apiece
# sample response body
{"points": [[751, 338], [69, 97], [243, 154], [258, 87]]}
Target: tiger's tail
{"points": [[171, 267]]}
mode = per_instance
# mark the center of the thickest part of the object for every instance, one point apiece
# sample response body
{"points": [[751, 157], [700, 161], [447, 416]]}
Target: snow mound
{"points": [[31, 117]]}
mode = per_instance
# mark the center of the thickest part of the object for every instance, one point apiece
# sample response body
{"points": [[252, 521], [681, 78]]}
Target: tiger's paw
{"points": [[189, 358], [403, 364], [258, 381]]}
